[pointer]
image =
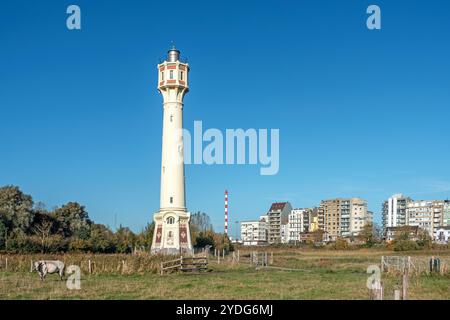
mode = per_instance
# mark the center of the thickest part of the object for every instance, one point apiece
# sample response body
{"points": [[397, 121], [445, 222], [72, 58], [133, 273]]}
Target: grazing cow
{"points": [[44, 267]]}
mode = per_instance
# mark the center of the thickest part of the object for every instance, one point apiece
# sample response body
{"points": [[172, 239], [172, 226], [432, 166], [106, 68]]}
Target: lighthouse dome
{"points": [[173, 54]]}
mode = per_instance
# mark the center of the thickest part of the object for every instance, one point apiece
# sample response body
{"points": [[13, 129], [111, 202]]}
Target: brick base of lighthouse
{"points": [[172, 234]]}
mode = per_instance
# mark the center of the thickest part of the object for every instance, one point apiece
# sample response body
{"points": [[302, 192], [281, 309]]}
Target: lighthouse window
{"points": [[171, 199], [181, 75], [162, 76], [170, 220], [171, 74]]}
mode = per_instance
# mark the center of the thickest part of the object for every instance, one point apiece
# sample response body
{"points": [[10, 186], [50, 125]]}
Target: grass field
{"points": [[321, 275]]}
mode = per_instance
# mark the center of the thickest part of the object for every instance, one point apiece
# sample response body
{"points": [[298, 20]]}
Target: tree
{"points": [[43, 231], [405, 245], [424, 239], [15, 209], [403, 233], [200, 221], [145, 237], [3, 235], [102, 239], [367, 235], [124, 239], [378, 232], [204, 239], [340, 244], [43, 227], [80, 245], [221, 241], [73, 220]]}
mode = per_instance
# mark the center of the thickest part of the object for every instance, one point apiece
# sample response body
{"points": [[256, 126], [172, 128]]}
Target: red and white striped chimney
{"points": [[226, 213]]}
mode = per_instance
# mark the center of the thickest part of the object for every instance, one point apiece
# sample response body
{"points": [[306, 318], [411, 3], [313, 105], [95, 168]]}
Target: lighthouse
{"points": [[172, 234]]}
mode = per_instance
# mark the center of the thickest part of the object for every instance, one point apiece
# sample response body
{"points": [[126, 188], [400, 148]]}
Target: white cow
{"points": [[46, 266]]}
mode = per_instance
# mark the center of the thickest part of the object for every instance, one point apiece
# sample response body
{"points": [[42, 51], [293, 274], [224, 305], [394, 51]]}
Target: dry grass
{"points": [[100, 263], [323, 274]]}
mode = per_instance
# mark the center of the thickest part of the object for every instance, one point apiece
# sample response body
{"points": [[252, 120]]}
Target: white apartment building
{"points": [[394, 211], [344, 223], [443, 235], [254, 233], [295, 225]]}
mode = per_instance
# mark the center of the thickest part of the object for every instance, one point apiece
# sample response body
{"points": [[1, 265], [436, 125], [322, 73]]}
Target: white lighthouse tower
{"points": [[172, 234]]}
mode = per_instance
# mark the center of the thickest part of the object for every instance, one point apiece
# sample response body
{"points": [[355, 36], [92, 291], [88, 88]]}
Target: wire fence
{"points": [[89, 264], [415, 265]]}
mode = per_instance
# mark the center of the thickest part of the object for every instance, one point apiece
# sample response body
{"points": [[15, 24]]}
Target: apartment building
{"points": [[330, 210], [394, 211], [254, 233], [370, 217], [443, 235], [302, 221], [425, 214], [284, 233], [278, 216], [446, 214], [359, 216], [314, 224], [295, 225], [310, 220], [343, 217], [321, 218]]}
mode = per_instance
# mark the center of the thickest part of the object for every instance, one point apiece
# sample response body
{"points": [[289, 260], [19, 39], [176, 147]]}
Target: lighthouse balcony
{"points": [[173, 74], [171, 83]]}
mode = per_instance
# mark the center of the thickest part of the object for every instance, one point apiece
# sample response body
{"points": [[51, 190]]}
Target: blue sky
{"points": [[361, 113]]}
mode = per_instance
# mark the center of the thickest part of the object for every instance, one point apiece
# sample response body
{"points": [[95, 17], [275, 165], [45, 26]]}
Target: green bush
{"points": [[340, 244], [80, 245], [23, 244], [406, 245]]}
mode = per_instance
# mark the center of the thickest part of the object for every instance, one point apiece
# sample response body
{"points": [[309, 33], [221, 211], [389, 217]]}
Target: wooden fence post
{"points": [[381, 292], [271, 257], [409, 264], [6, 264], [162, 268], [377, 290], [31, 265], [238, 257], [89, 266], [405, 286], [397, 295]]}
